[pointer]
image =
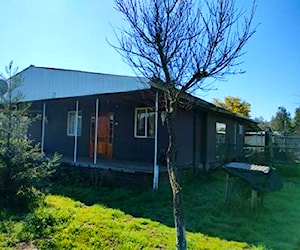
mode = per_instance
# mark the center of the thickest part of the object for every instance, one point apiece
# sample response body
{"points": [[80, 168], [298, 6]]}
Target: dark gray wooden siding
{"points": [[125, 145], [232, 152], [196, 130]]}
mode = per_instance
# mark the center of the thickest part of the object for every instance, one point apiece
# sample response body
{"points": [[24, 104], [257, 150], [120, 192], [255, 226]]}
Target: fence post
{"points": [[268, 146]]}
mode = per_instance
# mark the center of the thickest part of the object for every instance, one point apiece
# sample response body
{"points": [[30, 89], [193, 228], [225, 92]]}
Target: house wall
{"points": [[184, 125], [192, 137], [56, 138], [200, 138], [35, 128], [125, 146], [196, 131], [232, 151]]}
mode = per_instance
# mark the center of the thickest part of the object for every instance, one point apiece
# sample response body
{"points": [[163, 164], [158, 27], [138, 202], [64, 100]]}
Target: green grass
{"points": [[62, 223], [78, 217]]}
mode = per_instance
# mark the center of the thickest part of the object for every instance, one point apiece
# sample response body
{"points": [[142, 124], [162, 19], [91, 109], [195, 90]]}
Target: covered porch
{"points": [[101, 132]]}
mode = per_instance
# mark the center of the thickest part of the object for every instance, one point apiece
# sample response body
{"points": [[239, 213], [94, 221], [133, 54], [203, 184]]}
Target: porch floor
{"points": [[114, 165]]}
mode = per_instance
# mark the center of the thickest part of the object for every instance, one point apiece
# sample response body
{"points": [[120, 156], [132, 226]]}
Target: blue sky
{"points": [[72, 34]]}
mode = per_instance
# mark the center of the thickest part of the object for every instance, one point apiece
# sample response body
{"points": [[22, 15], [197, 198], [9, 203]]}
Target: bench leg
{"points": [[227, 187], [253, 199]]}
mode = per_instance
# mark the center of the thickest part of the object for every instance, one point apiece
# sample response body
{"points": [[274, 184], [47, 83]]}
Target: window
{"points": [[241, 129], [235, 135], [71, 129], [144, 123], [220, 141], [221, 132]]}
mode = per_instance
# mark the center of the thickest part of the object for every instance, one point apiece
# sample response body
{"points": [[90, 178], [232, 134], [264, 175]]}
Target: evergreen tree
{"points": [[296, 123], [282, 121], [24, 169]]}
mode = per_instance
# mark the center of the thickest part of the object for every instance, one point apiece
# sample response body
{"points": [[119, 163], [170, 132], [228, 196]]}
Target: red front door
{"points": [[104, 137]]}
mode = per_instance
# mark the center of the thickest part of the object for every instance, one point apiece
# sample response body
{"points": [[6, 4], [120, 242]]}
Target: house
{"points": [[74, 106]]}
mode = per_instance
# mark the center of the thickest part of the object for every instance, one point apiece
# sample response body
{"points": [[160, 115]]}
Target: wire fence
{"points": [[266, 147]]}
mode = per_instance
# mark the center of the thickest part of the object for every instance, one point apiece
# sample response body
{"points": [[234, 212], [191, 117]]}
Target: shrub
{"points": [[24, 169]]}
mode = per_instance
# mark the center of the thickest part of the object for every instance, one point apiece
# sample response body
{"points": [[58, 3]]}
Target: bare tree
{"points": [[177, 44]]}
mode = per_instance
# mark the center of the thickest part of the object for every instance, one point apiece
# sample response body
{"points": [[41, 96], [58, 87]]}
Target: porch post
{"points": [[96, 131], [156, 167], [76, 131], [43, 128]]}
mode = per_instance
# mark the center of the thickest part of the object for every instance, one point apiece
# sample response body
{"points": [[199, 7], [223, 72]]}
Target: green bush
{"points": [[24, 170]]}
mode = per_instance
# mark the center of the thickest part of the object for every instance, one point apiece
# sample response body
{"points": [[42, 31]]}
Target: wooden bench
{"points": [[259, 177]]}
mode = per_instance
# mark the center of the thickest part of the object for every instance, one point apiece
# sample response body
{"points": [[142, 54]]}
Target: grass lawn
{"points": [[77, 217]]}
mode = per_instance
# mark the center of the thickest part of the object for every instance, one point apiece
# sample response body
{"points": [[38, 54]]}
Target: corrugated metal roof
{"points": [[40, 83]]}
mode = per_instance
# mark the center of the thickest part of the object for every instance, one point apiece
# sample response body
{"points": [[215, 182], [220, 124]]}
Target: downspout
{"points": [[76, 131], [205, 142], [156, 167], [96, 131], [194, 140], [43, 128]]}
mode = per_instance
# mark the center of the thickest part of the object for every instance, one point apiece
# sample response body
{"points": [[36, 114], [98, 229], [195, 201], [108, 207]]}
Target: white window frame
{"points": [[71, 120], [147, 111]]}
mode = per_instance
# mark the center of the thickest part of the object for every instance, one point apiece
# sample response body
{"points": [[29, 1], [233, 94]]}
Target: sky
{"points": [[73, 34]]}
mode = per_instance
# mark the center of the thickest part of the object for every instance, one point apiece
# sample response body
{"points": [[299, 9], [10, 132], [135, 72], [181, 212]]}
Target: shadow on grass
{"points": [[205, 209], [138, 202]]}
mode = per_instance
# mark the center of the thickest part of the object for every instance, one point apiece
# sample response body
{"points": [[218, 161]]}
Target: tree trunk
{"points": [[173, 178]]}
